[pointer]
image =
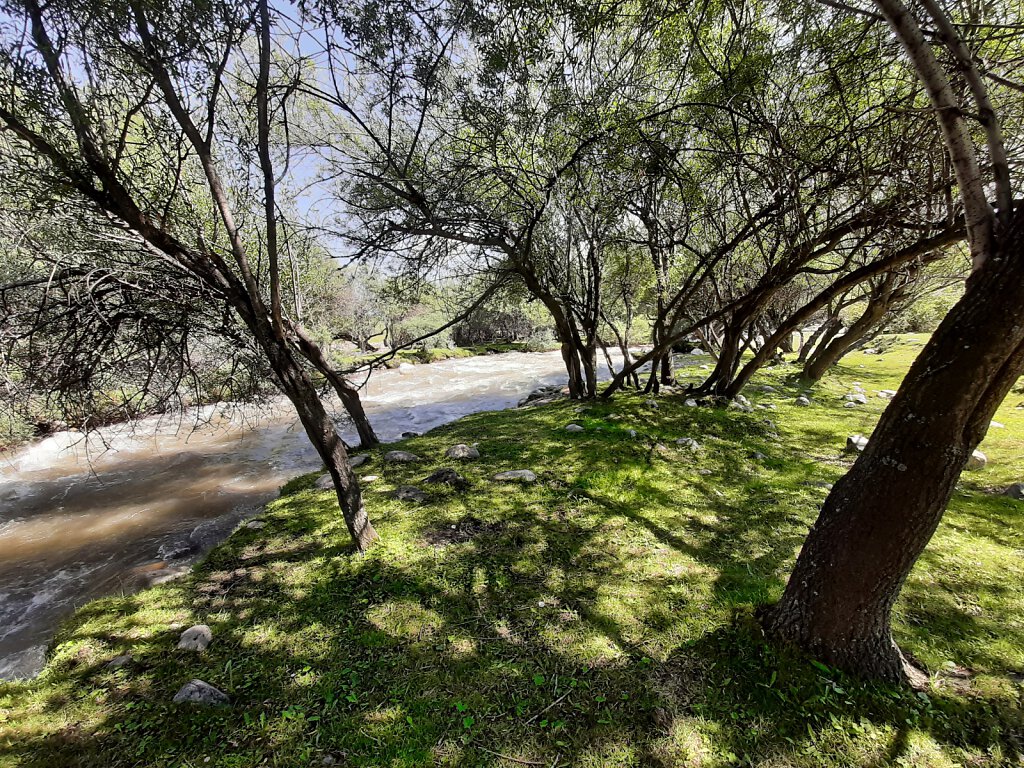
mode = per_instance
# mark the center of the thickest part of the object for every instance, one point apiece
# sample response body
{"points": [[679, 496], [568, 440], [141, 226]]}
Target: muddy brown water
{"points": [[110, 512]]}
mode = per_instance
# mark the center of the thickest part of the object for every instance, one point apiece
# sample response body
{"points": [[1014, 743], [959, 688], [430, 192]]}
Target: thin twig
{"points": [[513, 759], [549, 706]]}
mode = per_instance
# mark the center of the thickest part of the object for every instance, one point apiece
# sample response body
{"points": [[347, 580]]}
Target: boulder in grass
{"points": [[516, 476], [887, 394], [463, 452], [201, 693], [803, 401], [446, 476], [358, 461], [857, 397], [690, 403], [856, 443], [324, 483], [573, 428], [688, 443], [400, 457], [977, 461], [197, 638], [410, 493], [1015, 491]]}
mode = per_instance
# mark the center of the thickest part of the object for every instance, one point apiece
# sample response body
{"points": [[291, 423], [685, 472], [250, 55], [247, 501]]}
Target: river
{"points": [[128, 505]]}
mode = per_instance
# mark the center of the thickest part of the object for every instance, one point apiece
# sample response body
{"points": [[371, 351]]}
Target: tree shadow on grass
{"points": [[578, 626]]}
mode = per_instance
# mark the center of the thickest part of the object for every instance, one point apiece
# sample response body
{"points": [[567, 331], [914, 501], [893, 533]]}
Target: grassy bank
{"points": [[599, 617]]}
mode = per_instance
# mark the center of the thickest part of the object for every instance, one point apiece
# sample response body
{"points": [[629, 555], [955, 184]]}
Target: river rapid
{"points": [[129, 505]]}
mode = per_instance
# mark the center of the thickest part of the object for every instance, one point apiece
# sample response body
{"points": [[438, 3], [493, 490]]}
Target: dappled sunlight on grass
{"points": [[602, 616]]}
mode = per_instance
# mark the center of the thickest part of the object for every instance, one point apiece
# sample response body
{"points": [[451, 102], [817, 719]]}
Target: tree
{"points": [[166, 119], [880, 516]]}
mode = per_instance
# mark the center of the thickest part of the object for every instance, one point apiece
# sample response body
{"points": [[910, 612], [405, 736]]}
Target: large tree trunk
{"points": [[827, 355], [880, 516]]}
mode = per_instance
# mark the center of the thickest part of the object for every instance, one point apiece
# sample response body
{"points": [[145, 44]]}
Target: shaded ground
{"points": [[600, 617]]}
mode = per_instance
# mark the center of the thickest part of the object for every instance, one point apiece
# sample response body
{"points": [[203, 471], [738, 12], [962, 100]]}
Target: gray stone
{"points": [[857, 397], [742, 400], [997, 425], [803, 401], [446, 476], [358, 461], [324, 483], [849, 405], [651, 403], [410, 493], [632, 433], [462, 452], [516, 476], [856, 443], [765, 388], [196, 638], [411, 434], [887, 394], [1015, 491], [119, 661], [399, 457], [758, 456], [203, 694], [690, 402], [255, 525], [977, 461], [369, 478], [689, 443], [573, 428]]}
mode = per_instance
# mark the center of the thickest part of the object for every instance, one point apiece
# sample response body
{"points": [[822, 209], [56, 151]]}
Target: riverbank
{"points": [[600, 616]]}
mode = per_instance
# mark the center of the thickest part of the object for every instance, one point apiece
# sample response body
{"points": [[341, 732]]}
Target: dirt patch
{"points": [[466, 529]]}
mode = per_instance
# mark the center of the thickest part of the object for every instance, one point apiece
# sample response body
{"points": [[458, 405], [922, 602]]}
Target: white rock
{"points": [[516, 476], [690, 402], [856, 443], [689, 443], [197, 638], [204, 694], [400, 457], [369, 478], [997, 425], [857, 397], [632, 433], [977, 461], [849, 405], [573, 428], [651, 403], [887, 394], [463, 452], [742, 401], [803, 401]]}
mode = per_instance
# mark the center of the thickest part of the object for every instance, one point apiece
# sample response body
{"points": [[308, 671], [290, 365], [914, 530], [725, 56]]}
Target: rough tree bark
{"points": [[880, 516]]}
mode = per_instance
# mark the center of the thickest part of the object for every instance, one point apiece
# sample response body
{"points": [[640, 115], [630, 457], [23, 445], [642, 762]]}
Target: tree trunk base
{"points": [[871, 655]]}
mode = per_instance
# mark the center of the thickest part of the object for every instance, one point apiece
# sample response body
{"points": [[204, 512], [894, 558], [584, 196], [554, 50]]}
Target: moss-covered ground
{"points": [[599, 617]]}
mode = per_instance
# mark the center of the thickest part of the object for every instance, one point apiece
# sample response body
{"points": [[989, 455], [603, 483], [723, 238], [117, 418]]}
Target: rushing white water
{"points": [[128, 505]]}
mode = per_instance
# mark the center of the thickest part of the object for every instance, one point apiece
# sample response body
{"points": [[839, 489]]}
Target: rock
{"points": [[857, 397], [765, 388], [447, 476], [742, 400], [803, 401], [203, 694], [369, 478], [887, 394], [516, 476], [689, 443], [997, 425], [870, 351], [849, 405], [758, 456], [690, 403], [977, 461], [1015, 491], [255, 525], [573, 428], [856, 443], [632, 433], [858, 389], [705, 367], [324, 483], [358, 461], [399, 457], [651, 403], [462, 452], [411, 434], [196, 638], [736, 405], [119, 661], [704, 472], [410, 493]]}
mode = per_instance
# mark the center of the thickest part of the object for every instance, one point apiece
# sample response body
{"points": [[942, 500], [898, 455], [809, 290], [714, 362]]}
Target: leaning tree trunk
{"points": [[880, 516], [320, 429], [827, 355]]}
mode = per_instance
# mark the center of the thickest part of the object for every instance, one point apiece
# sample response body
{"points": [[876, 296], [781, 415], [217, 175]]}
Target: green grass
{"points": [[601, 617]]}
